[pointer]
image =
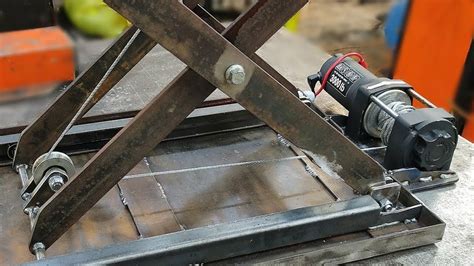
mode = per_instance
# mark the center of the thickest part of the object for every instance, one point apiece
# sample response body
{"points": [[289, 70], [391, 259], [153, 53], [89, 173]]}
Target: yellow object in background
{"points": [[95, 18], [293, 23]]}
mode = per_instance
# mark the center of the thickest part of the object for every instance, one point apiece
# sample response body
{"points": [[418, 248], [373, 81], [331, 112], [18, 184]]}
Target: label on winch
{"points": [[342, 78]]}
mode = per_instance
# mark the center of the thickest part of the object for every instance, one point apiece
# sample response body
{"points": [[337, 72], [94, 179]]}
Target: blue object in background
{"points": [[395, 22]]}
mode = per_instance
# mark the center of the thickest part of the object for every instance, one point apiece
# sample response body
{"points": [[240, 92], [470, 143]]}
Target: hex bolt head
{"points": [[56, 182], [235, 74], [387, 205]]}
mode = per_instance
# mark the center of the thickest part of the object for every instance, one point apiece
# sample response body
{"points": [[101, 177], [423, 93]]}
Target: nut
{"points": [[56, 182]]}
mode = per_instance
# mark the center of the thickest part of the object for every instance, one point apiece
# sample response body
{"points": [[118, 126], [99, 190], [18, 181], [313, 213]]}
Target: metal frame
{"points": [[335, 233], [192, 35]]}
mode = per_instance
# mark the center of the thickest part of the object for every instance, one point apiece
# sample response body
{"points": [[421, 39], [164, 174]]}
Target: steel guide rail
{"points": [[217, 57]]}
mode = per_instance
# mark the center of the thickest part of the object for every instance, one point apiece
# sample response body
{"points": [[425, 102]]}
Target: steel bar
{"points": [[203, 14], [248, 236], [110, 116], [152, 124], [92, 137], [40, 136], [259, 93], [384, 107], [420, 98], [97, 87], [37, 138]]}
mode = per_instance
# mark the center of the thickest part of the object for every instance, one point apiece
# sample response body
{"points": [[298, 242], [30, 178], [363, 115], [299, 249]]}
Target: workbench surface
{"points": [[223, 201]]}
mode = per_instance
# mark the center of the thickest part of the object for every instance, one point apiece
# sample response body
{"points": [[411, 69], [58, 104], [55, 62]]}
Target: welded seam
{"points": [[212, 167], [165, 197]]}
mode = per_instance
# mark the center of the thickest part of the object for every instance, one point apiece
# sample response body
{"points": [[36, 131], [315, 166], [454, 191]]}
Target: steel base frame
{"points": [[209, 50], [335, 233]]}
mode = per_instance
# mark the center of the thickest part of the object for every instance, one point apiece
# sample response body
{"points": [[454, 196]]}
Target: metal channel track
{"points": [[244, 237]]}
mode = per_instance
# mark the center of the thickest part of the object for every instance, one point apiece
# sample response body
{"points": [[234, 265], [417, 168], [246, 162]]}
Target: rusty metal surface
{"points": [[141, 135], [260, 94]]}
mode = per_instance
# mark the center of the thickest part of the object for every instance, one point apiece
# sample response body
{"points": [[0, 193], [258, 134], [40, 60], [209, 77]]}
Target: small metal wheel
{"points": [[55, 160]]}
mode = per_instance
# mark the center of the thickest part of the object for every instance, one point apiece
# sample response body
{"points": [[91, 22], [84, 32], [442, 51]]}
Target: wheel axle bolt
{"points": [[56, 182], [235, 74]]}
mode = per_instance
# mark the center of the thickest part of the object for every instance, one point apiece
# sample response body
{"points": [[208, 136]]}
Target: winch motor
{"points": [[383, 108]]}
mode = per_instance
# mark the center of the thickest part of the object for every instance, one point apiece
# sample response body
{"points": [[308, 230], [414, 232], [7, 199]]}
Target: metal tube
{"points": [[383, 106], [420, 98]]}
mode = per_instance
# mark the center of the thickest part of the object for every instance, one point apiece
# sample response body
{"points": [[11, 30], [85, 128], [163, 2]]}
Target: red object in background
{"points": [[36, 57], [434, 48]]}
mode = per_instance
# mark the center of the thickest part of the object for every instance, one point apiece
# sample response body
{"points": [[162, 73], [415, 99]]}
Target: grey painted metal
{"points": [[243, 237]]}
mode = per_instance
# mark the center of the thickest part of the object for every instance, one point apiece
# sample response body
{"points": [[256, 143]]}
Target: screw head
{"points": [[56, 182], [235, 74]]}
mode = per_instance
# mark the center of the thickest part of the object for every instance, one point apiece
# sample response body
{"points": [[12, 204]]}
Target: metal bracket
{"points": [[415, 180]]}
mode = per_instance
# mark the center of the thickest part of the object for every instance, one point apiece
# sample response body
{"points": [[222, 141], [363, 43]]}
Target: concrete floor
{"points": [[347, 26]]}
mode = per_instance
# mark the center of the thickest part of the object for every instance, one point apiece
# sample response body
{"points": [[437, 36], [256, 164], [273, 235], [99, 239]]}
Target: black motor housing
{"points": [[358, 85], [423, 138]]}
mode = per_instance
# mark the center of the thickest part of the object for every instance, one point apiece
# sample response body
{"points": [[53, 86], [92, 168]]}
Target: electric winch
{"points": [[382, 108]]}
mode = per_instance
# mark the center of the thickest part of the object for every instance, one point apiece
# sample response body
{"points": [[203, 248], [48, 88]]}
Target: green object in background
{"points": [[94, 17], [292, 24]]}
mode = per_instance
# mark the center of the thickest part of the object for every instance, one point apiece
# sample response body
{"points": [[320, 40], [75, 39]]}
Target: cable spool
{"points": [[386, 121]]}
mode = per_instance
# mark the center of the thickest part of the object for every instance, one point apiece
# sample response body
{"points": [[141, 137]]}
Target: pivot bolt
{"points": [[26, 196], [56, 182], [235, 74], [39, 250]]}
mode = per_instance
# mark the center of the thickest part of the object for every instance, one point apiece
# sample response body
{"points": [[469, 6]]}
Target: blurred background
{"points": [[44, 44]]}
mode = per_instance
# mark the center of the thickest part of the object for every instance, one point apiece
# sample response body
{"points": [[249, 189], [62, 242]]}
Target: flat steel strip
{"points": [[38, 137], [213, 22], [209, 54], [152, 124]]}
